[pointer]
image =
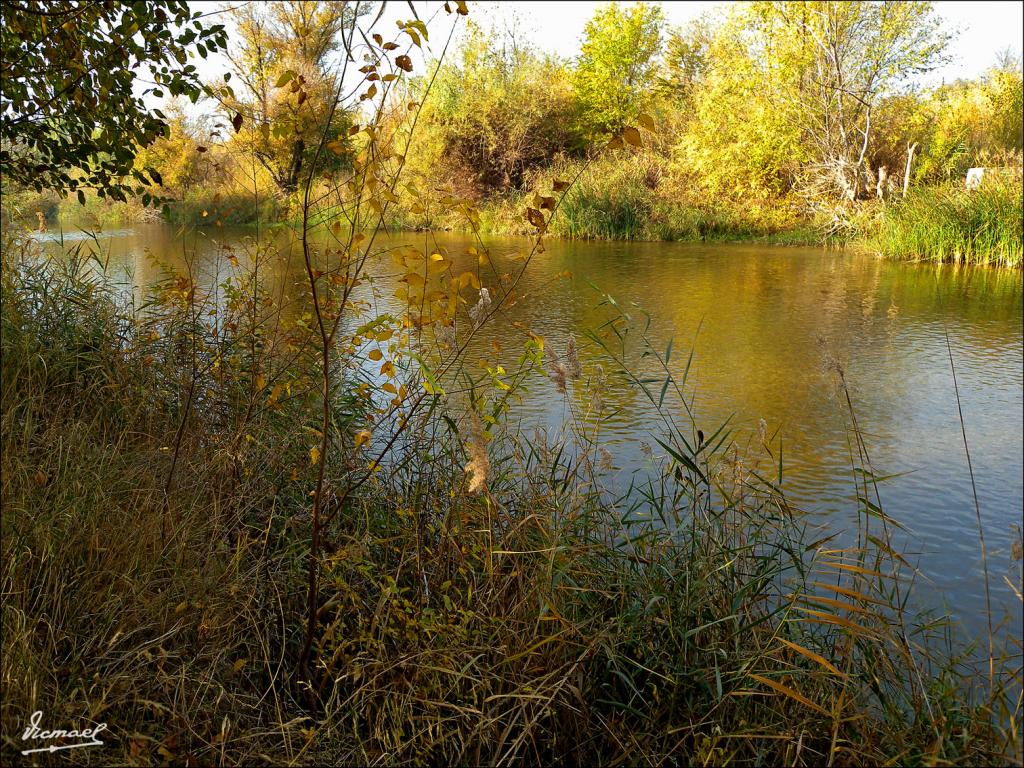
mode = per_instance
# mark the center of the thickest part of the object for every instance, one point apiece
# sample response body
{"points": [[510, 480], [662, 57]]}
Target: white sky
{"points": [[983, 29]]}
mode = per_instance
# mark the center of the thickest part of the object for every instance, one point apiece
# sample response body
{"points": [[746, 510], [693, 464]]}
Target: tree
{"points": [[735, 143], [284, 123], [617, 63], [825, 65], [1004, 89], [175, 155], [499, 112], [686, 60], [71, 115]]}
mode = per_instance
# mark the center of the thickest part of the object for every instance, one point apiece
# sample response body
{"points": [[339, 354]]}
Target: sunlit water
{"points": [[762, 322]]}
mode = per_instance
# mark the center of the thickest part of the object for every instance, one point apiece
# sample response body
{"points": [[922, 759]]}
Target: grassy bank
{"points": [[643, 201], [196, 208], [156, 494], [952, 224]]}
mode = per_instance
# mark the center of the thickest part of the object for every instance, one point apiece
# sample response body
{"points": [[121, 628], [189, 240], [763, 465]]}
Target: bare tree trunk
{"points": [[863, 152], [911, 149]]}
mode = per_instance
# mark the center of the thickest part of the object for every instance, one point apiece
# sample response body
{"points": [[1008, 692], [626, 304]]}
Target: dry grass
{"points": [[534, 619]]}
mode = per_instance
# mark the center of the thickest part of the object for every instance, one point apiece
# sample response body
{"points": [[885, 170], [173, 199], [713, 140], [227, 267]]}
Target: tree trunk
{"points": [[292, 180], [911, 148]]}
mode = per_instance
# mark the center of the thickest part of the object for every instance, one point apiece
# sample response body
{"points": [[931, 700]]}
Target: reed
{"points": [[519, 612], [952, 224]]}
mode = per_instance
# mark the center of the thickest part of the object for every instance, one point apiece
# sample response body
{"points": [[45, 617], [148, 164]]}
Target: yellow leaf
{"points": [[314, 455], [535, 217], [834, 603], [239, 664], [786, 691], [436, 257], [275, 394], [363, 437], [285, 78], [388, 369], [632, 136], [389, 387], [821, 617], [261, 381], [854, 568], [812, 656], [646, 121], [848, 592], [375, 354], [180, 608]]}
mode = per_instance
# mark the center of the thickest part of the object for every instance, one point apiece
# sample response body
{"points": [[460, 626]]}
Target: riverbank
{"points": [[942, 224], [156, 484]]}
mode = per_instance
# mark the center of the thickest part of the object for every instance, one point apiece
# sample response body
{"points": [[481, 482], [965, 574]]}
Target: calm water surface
{"points": [[762, 321]]}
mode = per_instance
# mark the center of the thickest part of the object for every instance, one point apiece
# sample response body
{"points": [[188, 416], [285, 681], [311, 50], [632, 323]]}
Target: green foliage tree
{"points": [[971, 122], [686, 60], [1004, 89], [793, 91], [73, 115], [617, 64]]}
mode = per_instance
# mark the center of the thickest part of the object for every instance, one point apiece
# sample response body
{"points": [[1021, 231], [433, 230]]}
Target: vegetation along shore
{"points": [[281, 500]]}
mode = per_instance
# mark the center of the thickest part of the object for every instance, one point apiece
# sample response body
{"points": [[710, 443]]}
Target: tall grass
{"points": [[155, 494], [953, 224]]}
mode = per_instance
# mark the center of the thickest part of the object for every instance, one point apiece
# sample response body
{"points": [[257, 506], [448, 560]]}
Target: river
{"points": [[767, 327]]}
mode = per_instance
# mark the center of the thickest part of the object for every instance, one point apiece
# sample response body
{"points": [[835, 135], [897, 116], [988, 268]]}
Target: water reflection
{"points": [[765, 325]]}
